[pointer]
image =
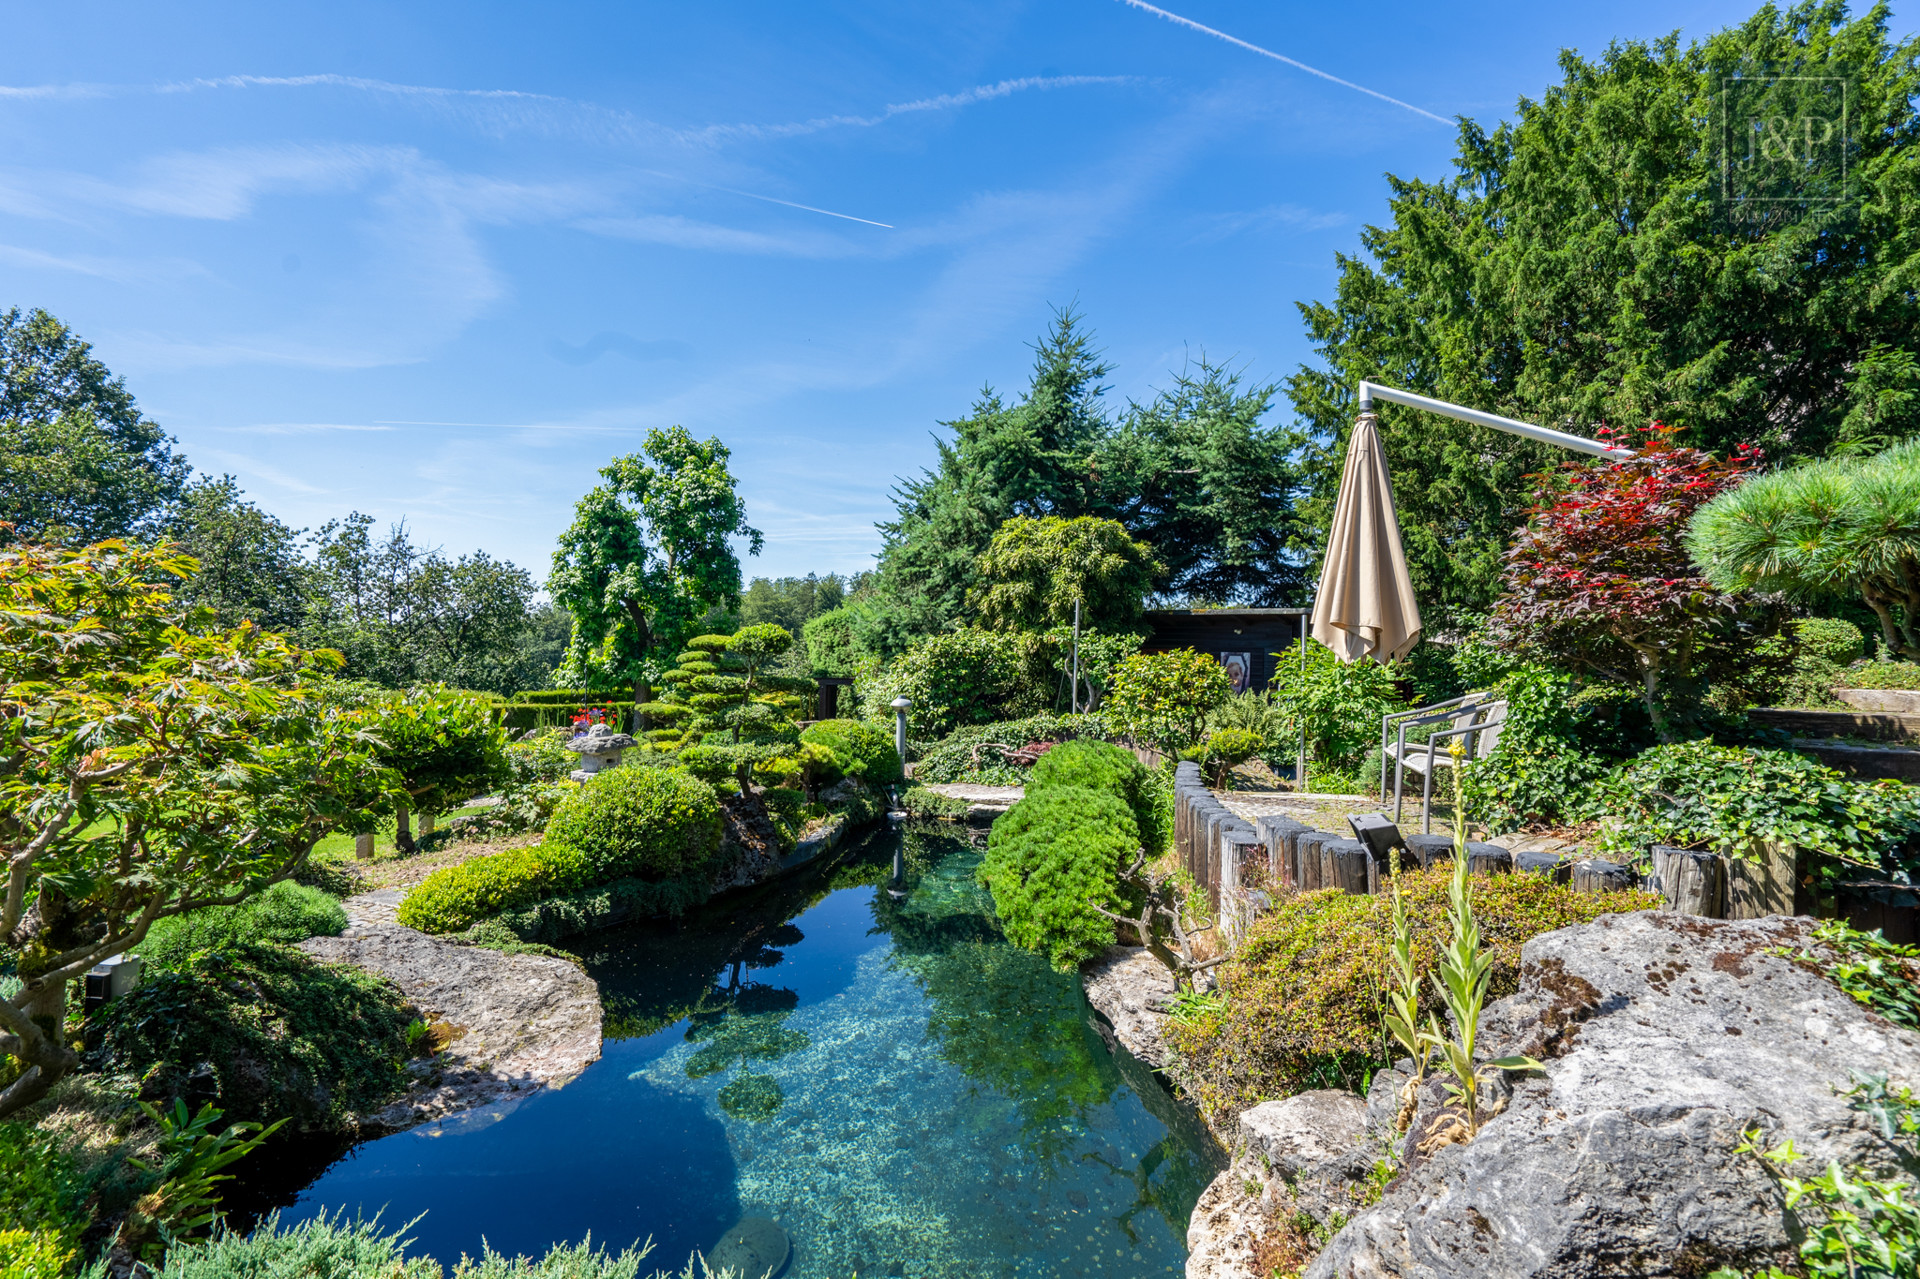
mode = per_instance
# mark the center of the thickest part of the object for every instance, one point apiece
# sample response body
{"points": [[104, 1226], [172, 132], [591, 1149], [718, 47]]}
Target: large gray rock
{"points": [[1133, 991], [1311, 1132], [1665, 1037], [517, 1023]]}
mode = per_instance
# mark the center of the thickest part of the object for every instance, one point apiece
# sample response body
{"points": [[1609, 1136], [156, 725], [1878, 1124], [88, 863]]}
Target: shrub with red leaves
{"points": [[1600, 582]]}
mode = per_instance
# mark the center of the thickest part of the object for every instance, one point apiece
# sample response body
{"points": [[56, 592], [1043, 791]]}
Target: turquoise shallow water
{"points": [[875, 1070]]}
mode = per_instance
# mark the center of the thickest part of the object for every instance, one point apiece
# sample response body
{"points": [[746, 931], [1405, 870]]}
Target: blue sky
{"points": [[441, 261]]}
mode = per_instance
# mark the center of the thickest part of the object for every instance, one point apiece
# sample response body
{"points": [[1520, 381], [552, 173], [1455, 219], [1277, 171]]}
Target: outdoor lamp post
{"points": [[900, 705]]}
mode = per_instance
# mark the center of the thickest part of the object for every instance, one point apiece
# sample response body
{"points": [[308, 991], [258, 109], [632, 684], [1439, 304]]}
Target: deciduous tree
{"points": [[648, 553], [150, 764], [1601, 583]]}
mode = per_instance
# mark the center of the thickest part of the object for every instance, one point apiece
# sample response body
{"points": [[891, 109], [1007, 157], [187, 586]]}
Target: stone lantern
{"points": [[599, 749]]}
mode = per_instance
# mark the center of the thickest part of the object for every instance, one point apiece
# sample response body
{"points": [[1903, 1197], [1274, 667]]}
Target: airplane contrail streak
{"points": [[1279, 57]]}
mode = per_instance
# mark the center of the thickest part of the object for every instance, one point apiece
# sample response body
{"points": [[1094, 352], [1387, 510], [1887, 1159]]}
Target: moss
{"points": [[262, 1032], [1303, 997]]}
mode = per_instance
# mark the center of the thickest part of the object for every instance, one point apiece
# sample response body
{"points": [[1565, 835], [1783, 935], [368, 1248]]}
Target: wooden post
{"points": [[1347, 859], [1760, 881], [1306, 859], [1488, 859], [1693, 882], [1596, 875]]}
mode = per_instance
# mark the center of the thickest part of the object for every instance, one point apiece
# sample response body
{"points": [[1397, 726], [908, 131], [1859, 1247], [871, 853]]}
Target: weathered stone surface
{"points": [[1235, 1211], [519, 1022], [1133, 991], [1311, 1132], [1664, 1038]]}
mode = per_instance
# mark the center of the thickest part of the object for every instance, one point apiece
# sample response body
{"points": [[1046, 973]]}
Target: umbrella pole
{"points": [[1300, 760]]}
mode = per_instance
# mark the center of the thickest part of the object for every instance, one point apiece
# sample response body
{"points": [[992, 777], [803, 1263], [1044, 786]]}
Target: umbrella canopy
{"points": [[1365, 607]]}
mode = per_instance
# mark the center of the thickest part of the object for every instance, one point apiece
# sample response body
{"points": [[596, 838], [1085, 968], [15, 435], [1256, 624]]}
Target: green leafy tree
{"points": [[445, 745], [251, 567], [647, 555], [736, 711], [1035, 570], [791, 602], [1339, 704], [1579, 269], [404, 614], [152, 765], [77, 459], [1163, 700]]}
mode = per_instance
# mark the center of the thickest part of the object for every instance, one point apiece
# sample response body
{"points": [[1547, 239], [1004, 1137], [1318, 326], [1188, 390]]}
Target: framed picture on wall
{"points": [[1239, 670]]}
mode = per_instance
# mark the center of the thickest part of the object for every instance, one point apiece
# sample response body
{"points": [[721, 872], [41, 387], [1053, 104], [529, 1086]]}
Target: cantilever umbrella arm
{"points": [[1371, 391]]}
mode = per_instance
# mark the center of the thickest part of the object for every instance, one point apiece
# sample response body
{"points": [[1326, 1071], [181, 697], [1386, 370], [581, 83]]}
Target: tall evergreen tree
{"points": [[1585, 268]]}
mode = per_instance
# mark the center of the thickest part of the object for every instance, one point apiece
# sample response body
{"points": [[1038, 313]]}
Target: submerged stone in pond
{"points": [[753, 1248]]}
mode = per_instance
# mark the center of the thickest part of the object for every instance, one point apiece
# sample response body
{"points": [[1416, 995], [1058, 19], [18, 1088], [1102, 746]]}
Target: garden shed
{"points": [[1256, 634]]}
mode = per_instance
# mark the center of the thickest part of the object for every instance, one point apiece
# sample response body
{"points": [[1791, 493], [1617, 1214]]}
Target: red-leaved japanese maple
{"points": [[1600, 581]]}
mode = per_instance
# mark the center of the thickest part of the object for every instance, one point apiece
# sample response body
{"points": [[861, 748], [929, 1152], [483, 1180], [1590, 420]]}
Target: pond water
{"points": [[862, 1060]]}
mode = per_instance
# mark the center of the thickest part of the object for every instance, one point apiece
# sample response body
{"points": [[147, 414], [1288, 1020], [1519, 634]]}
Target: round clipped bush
{"points": [[1049, 859], [859, 750], [1830, 639], [1102, 766], [654, 823], [456, 897]]}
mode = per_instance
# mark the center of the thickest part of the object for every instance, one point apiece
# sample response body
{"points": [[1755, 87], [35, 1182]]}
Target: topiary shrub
{"points": [[285, 913], [1104, 767], [263, 1032], [654, 823], [859, 750], [1049, 858], [1303, 1001], [455, 897]]}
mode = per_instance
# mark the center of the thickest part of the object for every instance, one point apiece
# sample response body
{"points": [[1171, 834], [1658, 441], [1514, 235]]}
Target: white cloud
{"points": [[1272, 217]]}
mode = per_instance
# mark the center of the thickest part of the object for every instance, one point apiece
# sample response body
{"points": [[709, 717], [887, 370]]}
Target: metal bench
{"points": [[1477, 717]]}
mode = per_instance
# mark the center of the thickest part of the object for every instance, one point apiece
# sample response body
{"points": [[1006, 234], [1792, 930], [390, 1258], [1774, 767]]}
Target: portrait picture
{"points": [[1239, 670]]}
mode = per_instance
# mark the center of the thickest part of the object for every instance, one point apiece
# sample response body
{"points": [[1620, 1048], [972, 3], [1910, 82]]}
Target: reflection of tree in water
{"points": [[749, 1026], [1002, 1016]]}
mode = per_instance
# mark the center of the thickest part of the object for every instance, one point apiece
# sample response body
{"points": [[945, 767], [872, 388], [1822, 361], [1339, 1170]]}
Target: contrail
{"points": [[1280, 57], [754, 195]]}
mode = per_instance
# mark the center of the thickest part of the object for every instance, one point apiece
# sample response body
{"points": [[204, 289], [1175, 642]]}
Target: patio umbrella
{"points": [[1365, 605]]}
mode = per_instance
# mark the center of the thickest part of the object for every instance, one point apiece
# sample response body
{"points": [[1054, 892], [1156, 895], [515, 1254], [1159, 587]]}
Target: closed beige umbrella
{"points": [[1365, 606]]}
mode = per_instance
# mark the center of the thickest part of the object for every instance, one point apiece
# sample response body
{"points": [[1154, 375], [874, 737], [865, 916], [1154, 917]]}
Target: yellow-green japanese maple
{"points": [[151, 763]]}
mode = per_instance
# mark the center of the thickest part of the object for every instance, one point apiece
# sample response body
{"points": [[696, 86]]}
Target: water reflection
{"points": [[877, 1071]]}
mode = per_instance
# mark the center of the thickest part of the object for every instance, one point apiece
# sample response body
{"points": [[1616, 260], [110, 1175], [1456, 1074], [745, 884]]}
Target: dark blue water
{"points": [[877, 1071]]}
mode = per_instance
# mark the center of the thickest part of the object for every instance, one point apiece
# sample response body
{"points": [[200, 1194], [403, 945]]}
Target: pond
{"points": [[863, 1060]]}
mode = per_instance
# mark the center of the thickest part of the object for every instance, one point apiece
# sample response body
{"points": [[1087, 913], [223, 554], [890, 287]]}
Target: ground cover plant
{"points": [[1306, 993], [284, 914], [262, 1031], [1699, 795]]}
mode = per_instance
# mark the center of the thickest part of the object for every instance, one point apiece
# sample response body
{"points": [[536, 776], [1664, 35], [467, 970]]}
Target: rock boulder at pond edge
{"points": [[1664, 1038], [1132, 991]]}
